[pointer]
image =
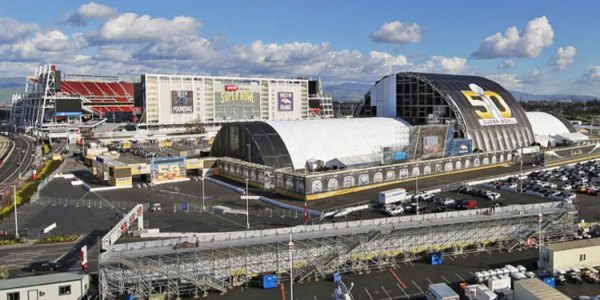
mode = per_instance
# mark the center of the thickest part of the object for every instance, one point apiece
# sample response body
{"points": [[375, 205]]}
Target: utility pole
{"points": [[247, 209], [15, 204], [291, 253], [202, 178], [540, 243], [417, 188]]}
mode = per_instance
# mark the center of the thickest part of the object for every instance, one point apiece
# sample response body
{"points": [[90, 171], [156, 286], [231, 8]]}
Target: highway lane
{"points": [[9, 171]]}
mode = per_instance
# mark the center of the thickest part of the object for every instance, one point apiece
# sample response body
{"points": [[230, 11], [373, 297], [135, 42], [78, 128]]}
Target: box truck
{"points": [[441, 291], [392, 196]]}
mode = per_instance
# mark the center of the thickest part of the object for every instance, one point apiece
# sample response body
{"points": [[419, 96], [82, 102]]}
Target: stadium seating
{"points": [[103, 96]]}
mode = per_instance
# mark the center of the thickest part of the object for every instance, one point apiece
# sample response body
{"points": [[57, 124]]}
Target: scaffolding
{"points": [[144, 269]]}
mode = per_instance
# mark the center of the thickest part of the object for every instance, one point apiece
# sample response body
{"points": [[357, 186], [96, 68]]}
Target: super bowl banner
{"points": [[489, 106], [237, 100], [182, 102], [285, 101]]}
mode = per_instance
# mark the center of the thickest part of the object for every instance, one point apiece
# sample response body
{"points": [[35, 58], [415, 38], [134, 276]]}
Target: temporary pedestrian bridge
{"points": [[203, 262]]}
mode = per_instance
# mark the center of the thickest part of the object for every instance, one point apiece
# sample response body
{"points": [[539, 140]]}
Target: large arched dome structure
{"points": [[481, 109], [290, 144]]}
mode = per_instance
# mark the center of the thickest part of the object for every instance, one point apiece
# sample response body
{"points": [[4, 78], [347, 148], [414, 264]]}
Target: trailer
{"points": [[441, 291], [393, 196]]}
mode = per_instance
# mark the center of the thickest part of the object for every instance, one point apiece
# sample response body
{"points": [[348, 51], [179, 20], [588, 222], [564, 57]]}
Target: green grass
{"points": [[53, 239], [46, 149]]}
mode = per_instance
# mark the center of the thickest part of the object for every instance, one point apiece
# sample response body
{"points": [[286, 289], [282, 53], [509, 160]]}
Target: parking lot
{"points": [[408, 280]]}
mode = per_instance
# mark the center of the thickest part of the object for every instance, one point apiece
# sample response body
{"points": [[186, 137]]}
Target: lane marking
{"points": [[418, 287], [386, 293], [398, 280]]}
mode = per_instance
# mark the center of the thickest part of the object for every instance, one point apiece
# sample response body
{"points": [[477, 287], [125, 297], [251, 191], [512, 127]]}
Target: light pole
{"points": [[521, 172], [417, 188], [247, 210], [15, 204], [249, 157], [202, 179], [291, 252]]}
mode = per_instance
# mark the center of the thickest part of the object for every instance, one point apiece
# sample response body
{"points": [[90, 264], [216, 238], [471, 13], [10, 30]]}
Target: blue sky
{"points": [[531, 46]]}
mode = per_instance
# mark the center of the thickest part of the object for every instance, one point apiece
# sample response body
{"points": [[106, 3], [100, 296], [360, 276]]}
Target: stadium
{"points": [[409, 128]]}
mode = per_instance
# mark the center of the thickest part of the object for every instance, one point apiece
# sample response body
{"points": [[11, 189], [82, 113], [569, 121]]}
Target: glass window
{"points": [[64, 290], [13, 296]]}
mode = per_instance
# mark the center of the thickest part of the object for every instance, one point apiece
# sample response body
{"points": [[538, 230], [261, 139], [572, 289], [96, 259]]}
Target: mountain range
{"points": [[346, 92]]}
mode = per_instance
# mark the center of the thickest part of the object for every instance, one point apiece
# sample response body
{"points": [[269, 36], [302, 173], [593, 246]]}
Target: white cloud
{"points": [[90, 11], [43, 47], [13, 30], [131, 28], [508, 81], [591, 75], [271, 58], [506, 64], [537, 35], [563, 58], [442, 64], [397, 33]]}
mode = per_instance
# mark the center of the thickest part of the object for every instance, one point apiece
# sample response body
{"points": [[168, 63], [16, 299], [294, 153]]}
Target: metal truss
{"points": [[191, 272]]}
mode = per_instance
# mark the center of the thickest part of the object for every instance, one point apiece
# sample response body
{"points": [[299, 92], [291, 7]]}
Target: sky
{"points": [[542, 47]]}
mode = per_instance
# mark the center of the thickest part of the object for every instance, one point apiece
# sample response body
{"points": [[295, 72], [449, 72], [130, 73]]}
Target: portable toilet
{"points": [[435, 258], [269, 281], [337, 277]]}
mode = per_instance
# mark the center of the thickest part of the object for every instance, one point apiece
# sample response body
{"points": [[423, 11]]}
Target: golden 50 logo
{"points": [[490, 107]]}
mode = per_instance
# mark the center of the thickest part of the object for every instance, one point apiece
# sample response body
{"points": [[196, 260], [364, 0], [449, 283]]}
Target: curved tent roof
{"points": [[283, 144], [334, 138], [546, 124]]}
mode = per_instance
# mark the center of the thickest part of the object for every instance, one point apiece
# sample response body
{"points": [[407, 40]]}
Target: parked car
{"points": [[566, 187], [45, 266], [447, 201], [467, 204]]}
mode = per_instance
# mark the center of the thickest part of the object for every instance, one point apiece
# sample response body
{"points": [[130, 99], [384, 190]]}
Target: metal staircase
{"points": [[319, 265]]}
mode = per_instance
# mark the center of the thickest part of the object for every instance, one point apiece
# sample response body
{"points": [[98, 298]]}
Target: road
{"points": [[10, 170]]}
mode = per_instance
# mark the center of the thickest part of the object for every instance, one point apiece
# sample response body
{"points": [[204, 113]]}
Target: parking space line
{"points": [[398, 280], [407, 295], [386, 293], [369, 294], [451, 258], [410, 263], [428, 280], [446, 280], [418, 287], [459, 277]]}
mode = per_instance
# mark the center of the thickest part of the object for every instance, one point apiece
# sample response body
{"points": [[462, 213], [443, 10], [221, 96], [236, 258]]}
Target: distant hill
{"points": [[348, 91], [354, 92], [551, 97]]}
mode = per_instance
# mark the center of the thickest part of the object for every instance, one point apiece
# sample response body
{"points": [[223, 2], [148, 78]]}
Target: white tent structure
{"points": [[358, 140], [548, 130]]}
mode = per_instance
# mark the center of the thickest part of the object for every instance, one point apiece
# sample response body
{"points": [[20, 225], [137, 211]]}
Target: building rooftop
{"points": [[541, 289], [21, 282], [574, 244]]}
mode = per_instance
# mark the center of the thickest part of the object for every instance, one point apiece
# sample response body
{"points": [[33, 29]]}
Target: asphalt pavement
{"points": [[10, 170]]}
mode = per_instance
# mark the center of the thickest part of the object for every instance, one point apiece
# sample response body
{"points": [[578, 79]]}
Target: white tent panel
{"points": [[335, 138], [545, 124]]}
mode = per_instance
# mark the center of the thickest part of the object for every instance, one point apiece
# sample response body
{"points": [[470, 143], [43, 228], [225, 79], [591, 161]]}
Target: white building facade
{"points": [[181, 99]]}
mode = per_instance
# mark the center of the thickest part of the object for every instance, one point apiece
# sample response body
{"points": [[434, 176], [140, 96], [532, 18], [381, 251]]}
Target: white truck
{"points": [[441, 291], [393, 196]]}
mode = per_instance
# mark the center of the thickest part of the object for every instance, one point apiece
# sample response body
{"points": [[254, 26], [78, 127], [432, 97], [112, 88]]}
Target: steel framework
{"points": [[146, 269]]}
